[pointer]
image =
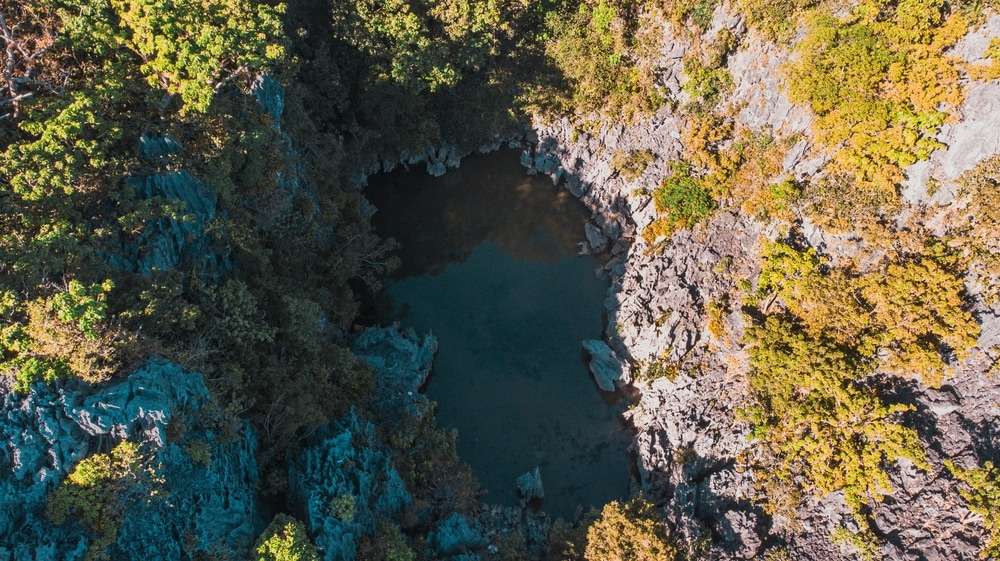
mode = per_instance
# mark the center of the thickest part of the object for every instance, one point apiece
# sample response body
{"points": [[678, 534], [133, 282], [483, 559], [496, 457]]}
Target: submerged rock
{"points": [[608, 371]]}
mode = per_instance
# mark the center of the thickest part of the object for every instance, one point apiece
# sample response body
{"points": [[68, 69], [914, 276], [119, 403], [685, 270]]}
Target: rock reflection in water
{"points": [[490, 198], [490, 267]]}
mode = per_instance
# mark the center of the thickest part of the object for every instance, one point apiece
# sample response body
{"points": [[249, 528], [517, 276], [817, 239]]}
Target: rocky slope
{"points": [[687, 439]]}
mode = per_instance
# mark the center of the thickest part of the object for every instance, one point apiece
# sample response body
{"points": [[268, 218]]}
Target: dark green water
{"points": [[490, 266]]}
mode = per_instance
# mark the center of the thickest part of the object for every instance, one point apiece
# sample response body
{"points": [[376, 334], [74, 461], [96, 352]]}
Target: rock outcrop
{"points": [[344, 483], [402, 362], [608, 371], [208, 503], [529, 486]]}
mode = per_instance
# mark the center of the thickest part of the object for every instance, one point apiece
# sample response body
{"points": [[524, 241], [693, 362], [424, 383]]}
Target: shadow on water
{"points": [[490, 266]]}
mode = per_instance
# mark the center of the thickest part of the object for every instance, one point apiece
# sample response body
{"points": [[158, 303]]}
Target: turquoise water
{"points": [[490, 266]]}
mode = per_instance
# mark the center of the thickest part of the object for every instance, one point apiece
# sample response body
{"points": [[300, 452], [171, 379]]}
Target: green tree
{"points": [[285, 539], [186, 47], [82, 305]]}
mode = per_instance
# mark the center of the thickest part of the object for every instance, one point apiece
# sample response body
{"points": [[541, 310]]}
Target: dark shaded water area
{"points": [[490, 266]]}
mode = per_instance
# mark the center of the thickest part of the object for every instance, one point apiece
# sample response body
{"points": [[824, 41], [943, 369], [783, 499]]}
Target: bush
{"points": [[629, 532], [343, 507], [65, 334], [697, 13], [285, 539], [990, 70], [776, 20], [631, 165], [98, 491], [681, 202], [707, 76], [715, 321]]}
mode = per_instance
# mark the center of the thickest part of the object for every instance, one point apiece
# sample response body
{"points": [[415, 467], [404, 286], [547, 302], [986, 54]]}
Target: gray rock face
{"points": [[345, 483], [608, 371], [167, 243]]}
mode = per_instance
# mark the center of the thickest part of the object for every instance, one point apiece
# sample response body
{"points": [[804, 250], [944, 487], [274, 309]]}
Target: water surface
{"points": [[490, 266]]}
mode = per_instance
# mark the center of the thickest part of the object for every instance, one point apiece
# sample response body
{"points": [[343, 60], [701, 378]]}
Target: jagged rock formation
{"points": [[529, 486], [402, 362], [208, 503], [344, 483]]}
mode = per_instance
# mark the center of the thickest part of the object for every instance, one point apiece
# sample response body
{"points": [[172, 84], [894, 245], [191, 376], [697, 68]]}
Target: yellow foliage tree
{"points": [[628, 532], [881, 85]]}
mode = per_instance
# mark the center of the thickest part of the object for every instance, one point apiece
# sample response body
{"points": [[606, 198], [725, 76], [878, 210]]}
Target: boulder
{"points": [[596, 239], [529, 486], [607, 369]]}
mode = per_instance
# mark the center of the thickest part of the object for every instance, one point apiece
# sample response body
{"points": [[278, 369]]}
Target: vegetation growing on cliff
{"points": [[603, 51], [820, 417], [825, 429], [910, 316], [977, 237], [682, 201], [99, 488], [631, 165], [980, 488], [866, 78]]}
